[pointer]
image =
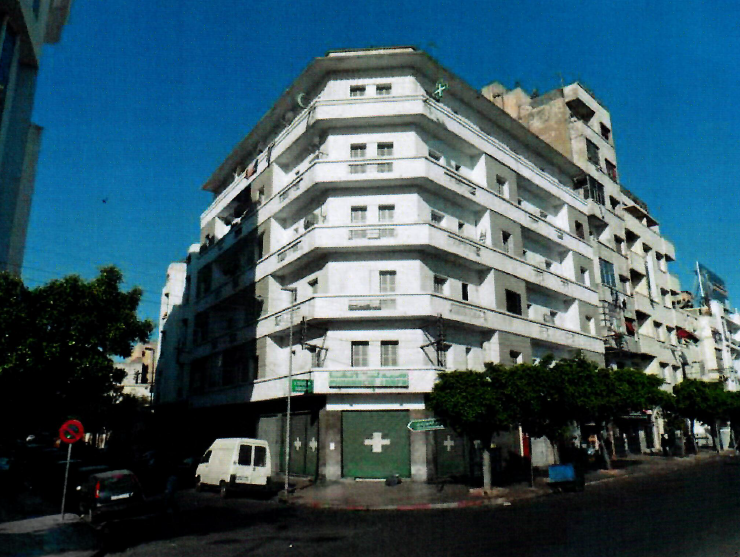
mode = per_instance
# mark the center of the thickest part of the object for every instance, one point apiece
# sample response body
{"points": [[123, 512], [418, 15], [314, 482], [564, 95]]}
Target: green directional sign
{"points": [[302, 386], [429, 424]]}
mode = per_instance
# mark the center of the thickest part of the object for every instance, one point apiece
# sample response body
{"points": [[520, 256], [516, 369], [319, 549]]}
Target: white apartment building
{"points": [[25, 26], [394, 223]]}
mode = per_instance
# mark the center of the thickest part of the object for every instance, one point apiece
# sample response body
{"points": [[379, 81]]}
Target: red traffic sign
{"points": [[71, 432]]}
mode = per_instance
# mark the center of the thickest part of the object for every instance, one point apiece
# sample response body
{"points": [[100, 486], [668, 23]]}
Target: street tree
{"points": [[471, 404], [57, 342], [704, 401]]}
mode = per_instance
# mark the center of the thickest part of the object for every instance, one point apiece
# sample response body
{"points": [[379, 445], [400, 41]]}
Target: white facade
{"points": [[400, 234]]}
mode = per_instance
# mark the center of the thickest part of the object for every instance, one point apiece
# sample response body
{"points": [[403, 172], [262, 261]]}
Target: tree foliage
{"points": [[56, 346], [543, 398]]}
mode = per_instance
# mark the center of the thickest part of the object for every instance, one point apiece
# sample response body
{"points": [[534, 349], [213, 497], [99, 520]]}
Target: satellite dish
{"points": [[301, 100]]}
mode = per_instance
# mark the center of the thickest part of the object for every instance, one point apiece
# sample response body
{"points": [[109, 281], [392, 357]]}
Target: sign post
{"points": [[70, 432]]}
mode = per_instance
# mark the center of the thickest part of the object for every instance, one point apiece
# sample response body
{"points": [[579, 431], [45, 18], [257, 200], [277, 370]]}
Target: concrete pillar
{"points": [[330, 451], [418, 448]]}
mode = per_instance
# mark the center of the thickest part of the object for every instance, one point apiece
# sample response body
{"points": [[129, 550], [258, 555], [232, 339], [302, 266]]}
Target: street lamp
{"points": [[293, 298]]}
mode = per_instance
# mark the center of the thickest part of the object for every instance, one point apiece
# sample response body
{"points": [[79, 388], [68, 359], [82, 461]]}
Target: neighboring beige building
{"points": [[642, 326], [139, 368], [25, 26]]}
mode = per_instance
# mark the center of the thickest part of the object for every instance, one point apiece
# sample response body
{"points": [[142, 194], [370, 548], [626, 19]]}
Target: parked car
{"points": [[111, 495], [233, 464]]}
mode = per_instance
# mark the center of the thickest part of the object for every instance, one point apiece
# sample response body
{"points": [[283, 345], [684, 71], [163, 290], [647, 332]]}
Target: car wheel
{"points": [[198, 484], [223, 490]]}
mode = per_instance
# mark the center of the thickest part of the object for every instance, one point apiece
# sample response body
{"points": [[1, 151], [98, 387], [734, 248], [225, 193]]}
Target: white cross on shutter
{"points": [[297, 444], [377, 442], [449, 443], [313, 444]]}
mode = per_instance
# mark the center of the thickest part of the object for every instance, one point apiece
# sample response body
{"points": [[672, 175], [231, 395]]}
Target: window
{"points": [[383, 167], [606, 133], [357, 91], [387, 282], [245, 455], [360, 351], [439, 284], [358, 150], [592, 153], [608, 278], [357, 168], [580, 231], [585, 279], [36, 8], [590, 325], [389, 353], [513, 302], [359, 214], [206, 458], [619, 245], [611, 170], [506, 241], [437, 218], [465, 291], [383, 90], [594, 190], [260, 457], [386, 213], [516, 357], [501, 186], [385, 149], [261, 245]]}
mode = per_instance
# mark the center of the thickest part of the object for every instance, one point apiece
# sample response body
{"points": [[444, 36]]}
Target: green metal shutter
{"points": [[375, 444], [451, 453]]}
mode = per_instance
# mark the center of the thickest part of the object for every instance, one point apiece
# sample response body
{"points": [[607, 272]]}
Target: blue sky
{"points": [[141, 101]]}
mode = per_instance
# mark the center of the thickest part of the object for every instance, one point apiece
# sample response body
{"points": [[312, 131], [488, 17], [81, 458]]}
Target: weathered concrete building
{"points": [[641, 324], [381, 223], [139, 368], [25, 26]]}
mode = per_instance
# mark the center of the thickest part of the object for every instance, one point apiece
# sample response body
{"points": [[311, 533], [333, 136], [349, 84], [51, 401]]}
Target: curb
{"points": [[415, 507]]}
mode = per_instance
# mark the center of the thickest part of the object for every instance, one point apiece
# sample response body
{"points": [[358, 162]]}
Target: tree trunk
{"points": [[694, 447], [604, 452], [714, 431], [487, 467]]}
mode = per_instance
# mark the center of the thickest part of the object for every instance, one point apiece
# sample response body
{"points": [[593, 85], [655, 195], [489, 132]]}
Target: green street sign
{"points": [[302, 386], [429, 424]]}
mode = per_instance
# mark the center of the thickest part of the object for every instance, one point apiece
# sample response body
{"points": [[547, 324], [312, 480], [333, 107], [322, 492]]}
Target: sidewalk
{"points": [[48, 536], [375, 495]]}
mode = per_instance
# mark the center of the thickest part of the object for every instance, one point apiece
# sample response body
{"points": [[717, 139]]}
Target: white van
{"points": [[232, 464]]}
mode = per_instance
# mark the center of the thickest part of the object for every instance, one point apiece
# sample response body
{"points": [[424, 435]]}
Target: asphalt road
{"points": [[692, 512]]}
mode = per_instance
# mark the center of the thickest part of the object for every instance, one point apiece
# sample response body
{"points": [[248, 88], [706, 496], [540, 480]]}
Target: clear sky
{"points": [[141, 101]]}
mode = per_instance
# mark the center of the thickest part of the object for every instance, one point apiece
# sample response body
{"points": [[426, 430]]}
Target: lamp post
{"points": [[293, 297]]}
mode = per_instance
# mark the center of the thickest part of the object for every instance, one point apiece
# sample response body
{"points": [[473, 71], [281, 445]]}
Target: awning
{"points": [[685, 335]]}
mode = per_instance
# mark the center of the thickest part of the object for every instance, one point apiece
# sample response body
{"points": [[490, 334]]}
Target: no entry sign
{"points": [[71, 431]]}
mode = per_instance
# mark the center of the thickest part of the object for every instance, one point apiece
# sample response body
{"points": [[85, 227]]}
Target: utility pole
{"points": [[293, 296]]}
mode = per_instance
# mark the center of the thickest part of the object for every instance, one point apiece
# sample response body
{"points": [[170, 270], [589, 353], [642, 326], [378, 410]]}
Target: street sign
{"points": [[71, 431], [302, 386], [429, 424]]}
